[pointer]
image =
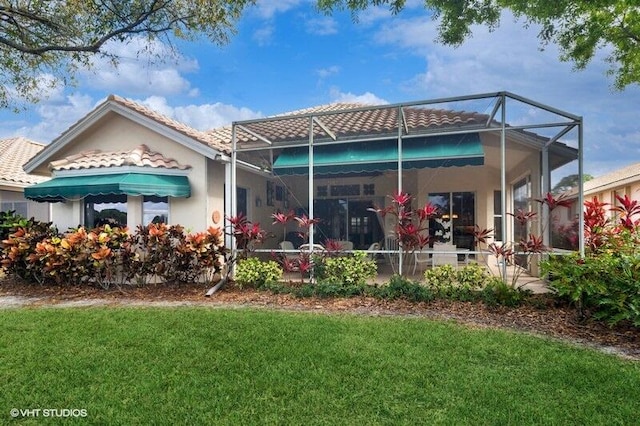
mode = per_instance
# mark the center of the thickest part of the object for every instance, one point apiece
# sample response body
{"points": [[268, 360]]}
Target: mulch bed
{"points": [[543, 316]]}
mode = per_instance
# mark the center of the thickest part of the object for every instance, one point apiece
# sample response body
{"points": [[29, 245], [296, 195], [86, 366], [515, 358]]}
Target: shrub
{"points": [[330, 289], [606, 286], [170, 254], [400, 287], [19, 248], [107, 255], [497, 292], [255, 273], [458, 284], [352, 270]]}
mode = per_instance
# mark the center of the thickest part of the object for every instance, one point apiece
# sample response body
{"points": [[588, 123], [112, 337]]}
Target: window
{"points": [[155, 209], [105, 209], [497, 215], [20, 207], [241, 201]]}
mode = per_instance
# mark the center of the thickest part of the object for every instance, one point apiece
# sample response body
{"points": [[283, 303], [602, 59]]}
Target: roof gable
{"points": [[194, 139]]}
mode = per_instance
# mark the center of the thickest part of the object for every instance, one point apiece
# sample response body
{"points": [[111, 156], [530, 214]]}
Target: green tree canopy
{"points": [[56, 38], [568, 182], [579, 27]]}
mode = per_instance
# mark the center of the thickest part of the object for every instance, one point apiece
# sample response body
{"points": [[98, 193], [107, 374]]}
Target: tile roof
{"points": [[202, 137], [620, 176], [352, 121], [14, 152], [140, 156]]}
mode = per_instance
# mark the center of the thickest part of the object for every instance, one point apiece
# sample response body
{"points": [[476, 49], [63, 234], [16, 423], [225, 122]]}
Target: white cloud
{"points": [[328, 72], [201, 117], [367, 98], [142, 68], [56, 117], [263, 35], [268, 8], [510, 59], [322, 26]]}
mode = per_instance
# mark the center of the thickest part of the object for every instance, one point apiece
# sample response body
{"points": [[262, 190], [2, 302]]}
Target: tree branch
{"points": [[130, 28]]}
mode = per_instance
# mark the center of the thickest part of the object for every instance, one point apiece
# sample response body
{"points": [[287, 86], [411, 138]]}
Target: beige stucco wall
{"points": [[114, 132]]}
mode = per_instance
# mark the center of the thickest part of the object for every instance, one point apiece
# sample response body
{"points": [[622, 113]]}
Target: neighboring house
{"points": [[14, 152], [624, 181], [132, 165]]}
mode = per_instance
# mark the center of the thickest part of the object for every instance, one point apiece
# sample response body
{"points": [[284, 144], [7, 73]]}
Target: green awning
{"points": [[378, 156], [76, 187]]}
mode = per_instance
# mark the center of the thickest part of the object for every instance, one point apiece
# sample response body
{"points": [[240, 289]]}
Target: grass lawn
{"points": [[224, 366]]}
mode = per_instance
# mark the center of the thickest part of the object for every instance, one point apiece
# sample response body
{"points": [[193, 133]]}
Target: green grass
{"points": [[217, 366]]}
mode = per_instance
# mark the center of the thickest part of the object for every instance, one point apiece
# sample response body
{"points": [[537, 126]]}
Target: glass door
{"points": [[455, 221], [521, 200]]}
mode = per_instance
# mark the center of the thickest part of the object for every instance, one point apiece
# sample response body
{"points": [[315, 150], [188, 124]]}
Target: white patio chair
{"points": [[391, 243], [444, 254], [287, 249], [372, 248], [421, 257], [346, 245]]}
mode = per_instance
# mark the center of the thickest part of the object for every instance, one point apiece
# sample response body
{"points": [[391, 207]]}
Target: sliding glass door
{"points": [[455, 221]]}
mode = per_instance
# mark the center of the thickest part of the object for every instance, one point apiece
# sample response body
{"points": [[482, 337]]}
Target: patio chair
{"points": [[391, 243], [346, 245], [371, 251], [444, 254], [315, 248], [421, 257], [287, 247]]}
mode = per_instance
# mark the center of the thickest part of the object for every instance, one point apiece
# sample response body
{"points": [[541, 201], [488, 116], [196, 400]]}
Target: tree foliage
{"points": [[568, 182], [580, 28], [44, 42]]}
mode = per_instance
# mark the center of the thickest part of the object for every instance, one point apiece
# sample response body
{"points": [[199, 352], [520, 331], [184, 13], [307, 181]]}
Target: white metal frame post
{"points": [[503, 176]]}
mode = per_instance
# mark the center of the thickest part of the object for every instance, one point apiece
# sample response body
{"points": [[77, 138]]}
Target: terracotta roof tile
{"points": [[140, 156], [349, 122], [14, 153]]}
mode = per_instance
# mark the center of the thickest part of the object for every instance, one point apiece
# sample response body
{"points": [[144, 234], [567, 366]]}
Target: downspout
{"points": [[230, 207]]}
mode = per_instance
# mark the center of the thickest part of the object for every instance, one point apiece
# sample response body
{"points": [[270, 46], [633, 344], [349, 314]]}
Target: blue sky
{"points": [[286, 56]]}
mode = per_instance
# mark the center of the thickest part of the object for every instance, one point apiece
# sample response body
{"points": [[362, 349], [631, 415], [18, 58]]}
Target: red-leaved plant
{"points": [[505, 253], [412, 226]]}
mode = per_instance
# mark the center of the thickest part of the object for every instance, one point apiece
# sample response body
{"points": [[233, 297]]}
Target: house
{"points": [[128, 164], [622, 182], [14, 152], [124, 163]]}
